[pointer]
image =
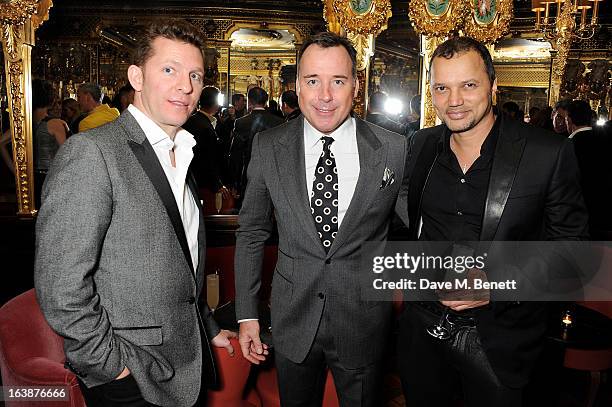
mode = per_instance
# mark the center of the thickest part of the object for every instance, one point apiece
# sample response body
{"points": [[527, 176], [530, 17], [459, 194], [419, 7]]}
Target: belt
{"points": [[453, 317]]}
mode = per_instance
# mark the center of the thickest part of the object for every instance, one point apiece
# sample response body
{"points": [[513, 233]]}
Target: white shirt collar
{"points": [[579, 130], [156, 136], [213, 119], [342, 134]]}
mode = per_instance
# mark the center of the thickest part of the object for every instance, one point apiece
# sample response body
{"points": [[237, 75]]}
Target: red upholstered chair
{"points": [[31, 354], [594, 361]]}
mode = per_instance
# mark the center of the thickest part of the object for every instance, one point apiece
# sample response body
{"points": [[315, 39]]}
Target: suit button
{"points": [[321, 295], [328, 261], [191, 300]]}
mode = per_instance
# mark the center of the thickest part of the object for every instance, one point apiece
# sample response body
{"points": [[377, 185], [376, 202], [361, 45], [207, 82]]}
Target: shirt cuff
{"points": [[247, 319]]}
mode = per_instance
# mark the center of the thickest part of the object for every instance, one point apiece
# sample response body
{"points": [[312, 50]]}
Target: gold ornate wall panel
{"points": [[19, 20], [524, 75], [361, 21]]}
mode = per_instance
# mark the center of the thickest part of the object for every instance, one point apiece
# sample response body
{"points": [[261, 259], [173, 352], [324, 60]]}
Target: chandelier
{"points": [[570, 18]]}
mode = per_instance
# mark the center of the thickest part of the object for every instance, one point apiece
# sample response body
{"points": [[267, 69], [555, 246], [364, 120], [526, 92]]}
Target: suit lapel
{"points": [[508, 153], [370, 177], [289, 151], [147, 158]]}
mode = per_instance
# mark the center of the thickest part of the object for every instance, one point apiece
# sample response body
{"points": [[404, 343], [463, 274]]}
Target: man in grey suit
{"points": [[331, 182], [120, 241]]}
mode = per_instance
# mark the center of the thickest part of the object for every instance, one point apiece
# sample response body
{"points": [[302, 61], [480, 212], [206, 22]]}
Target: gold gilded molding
{"points": [[437, 18], [359, 104], [42, 13], [429, 117], [488, 19], [329, 15], [19, 19], [17, 12], [565, 27], [523, 75], [372, 20]]}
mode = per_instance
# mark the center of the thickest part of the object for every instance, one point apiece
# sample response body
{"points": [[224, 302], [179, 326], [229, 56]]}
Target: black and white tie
{"points": [[324, 195]]}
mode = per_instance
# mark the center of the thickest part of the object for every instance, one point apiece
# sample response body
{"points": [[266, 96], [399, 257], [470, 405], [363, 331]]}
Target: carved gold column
{"points": [[428, 117], [565, 26], [361, 22], [20, 19]]}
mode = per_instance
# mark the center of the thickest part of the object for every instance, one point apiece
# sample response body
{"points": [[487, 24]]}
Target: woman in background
{"points": [[49, 132]]}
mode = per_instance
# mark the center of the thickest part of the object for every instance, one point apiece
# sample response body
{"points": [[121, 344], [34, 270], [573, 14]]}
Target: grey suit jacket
{"points": [[113, 273], [306, 279]]}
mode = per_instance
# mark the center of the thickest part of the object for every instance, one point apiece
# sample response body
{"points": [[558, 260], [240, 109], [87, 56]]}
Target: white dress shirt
{"points": [[183, 154], [213, 119], [346, 154]]}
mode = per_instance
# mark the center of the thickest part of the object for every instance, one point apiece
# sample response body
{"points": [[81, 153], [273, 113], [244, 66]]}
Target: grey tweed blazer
{"points": [[113, 273]]}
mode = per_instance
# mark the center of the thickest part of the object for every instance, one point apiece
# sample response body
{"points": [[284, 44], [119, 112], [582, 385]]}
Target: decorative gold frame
{"points": [[374, 21], [495, 29], [20, 19], [437, 26]]}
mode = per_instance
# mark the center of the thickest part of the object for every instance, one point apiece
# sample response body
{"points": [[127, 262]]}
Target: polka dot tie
{"points": [[324, 195]]}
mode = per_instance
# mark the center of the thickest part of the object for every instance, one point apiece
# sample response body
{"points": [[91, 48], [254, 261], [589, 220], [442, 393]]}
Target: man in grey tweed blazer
{"points": [[120, 241], [319, 317]]}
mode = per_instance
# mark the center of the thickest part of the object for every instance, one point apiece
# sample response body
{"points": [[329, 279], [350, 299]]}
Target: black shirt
{"points": [[453, 203]]}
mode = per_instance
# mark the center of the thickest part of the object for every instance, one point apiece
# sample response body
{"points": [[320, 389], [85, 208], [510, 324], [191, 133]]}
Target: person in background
{"points": [[49, 133], [543, 119], [89, 96], [512, 110], [71, 114], [558, 117], [207, 155], [273, 108], [290, 105], [245, 128], [533, 112], [376, 114], [593, 150], [415, 108], [227, 119], [123, 98]]}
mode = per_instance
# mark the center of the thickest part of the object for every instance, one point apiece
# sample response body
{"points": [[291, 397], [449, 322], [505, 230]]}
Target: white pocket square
{"points": [[388, 178]]}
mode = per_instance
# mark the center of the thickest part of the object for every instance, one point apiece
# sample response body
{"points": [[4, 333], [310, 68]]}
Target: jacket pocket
{"points": [[141, 336]]}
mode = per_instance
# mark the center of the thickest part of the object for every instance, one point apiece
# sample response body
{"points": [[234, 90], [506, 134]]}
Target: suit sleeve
{"points": [[566, 213], [70, 230], [255, 227]]}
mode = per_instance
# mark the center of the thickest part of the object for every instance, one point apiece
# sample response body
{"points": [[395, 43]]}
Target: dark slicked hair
{"points": [[236, 97], [43, 94], [461, 45], [327, 40], [563, 104], [257, 96], [579, 111], [209, 97], [174, 30], [290, 98]]}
